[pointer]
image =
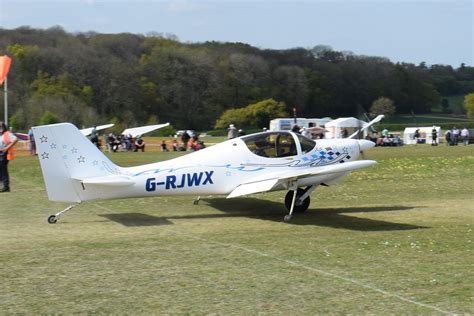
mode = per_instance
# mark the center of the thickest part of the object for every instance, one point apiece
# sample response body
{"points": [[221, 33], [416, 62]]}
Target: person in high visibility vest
{"points": [[7, 141]]}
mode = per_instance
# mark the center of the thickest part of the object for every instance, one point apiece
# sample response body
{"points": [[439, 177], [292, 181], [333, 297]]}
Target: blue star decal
{"points": [[44, 139], [74, 150], [81, 159], [53, 146], [45, 155]]}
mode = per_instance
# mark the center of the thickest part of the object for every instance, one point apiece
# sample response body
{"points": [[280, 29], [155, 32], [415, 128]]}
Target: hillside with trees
{"points": [[92, 78]]}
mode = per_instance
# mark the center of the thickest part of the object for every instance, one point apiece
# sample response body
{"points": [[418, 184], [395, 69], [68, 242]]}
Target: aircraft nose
{"points": [[365, 144]]}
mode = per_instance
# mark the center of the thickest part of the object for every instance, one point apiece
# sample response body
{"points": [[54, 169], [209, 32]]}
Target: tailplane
{"points": [[69, 160]]}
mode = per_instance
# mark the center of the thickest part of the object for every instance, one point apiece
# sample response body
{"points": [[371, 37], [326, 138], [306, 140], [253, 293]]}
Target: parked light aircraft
{"points": [[88, 131], [134, 131], [74, 170]]}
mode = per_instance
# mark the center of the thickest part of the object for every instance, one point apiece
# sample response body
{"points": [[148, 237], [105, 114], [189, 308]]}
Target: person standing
{"points": [[434, 137], [32, 143], [7, 141], [447, 137], [95, 137], [344, 132], [455, 135], [465, 136], [164, 147], [185, 139], [232, 132], [416, 136]]}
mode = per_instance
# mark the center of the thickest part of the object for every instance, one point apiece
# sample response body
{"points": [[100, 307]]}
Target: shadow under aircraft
{"points": [[271, 211]]}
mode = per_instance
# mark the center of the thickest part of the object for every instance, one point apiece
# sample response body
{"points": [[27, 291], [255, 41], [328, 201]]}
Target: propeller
{"points": [[363, 143]]}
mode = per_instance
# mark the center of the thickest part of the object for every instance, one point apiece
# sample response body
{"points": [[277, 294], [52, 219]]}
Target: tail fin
{"points": [[68, 159]]}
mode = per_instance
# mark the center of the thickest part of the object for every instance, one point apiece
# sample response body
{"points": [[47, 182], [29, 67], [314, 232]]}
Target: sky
{"points": [[413, 31]]}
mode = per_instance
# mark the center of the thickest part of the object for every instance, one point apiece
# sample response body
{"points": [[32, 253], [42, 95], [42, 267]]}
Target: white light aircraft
{"points": [[74, 170], [134, 131], [88, 131], [138, 131]]}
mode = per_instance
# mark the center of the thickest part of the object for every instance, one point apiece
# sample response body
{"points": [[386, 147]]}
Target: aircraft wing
{"points": [[22, 136], [270, 181], [137, 131], [88, 131]]}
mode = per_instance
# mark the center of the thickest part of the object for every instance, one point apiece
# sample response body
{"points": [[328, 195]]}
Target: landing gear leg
{"points": [[298, 200], [287, 218], [54, 218], [196, 201]]}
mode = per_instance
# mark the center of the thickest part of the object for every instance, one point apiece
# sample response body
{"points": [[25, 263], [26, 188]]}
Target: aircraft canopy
{"points": [[277, 144]]}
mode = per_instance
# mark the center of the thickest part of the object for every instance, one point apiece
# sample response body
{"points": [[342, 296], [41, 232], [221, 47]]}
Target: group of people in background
{"points": [[190, 143], [454, 136], [121, 143]]}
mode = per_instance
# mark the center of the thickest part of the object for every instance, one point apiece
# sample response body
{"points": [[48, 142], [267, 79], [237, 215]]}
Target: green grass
{"points": [[392, 239]]}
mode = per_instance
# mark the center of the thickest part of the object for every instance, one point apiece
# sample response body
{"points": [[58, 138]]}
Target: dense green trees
{"points": [[257, 115], [91, 78], [469, 105]]}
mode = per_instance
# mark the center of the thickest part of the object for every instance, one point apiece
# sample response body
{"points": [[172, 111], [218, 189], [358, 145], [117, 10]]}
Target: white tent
{"points": [[335, 127], [425, 134]]}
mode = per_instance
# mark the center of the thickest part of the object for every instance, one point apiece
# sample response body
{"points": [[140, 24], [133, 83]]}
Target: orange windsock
{"points": [[5, 63]]}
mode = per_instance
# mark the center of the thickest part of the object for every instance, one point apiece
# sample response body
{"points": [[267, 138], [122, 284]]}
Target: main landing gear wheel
{"points": [[52, 219], [300, 207]]}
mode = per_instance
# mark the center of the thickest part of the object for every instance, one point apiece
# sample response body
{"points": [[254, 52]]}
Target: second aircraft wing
{"points": [[269, 181]]}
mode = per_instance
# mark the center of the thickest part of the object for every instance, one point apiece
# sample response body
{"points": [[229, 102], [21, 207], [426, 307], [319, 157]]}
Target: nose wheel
{"points": [[300, 205]]}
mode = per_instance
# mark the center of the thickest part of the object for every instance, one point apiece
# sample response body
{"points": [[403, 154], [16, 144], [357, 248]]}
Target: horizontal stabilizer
{"points": [[114, 181]]}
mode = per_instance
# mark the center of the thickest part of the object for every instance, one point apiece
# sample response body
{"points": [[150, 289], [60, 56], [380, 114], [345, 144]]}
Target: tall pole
{"points": [[5, 98]]}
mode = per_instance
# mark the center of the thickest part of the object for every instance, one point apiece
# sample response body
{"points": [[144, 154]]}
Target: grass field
{"points": [[393, 239]]}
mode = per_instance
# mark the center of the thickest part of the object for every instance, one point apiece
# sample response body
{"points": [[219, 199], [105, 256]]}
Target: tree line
{"points": [[132, 79]]}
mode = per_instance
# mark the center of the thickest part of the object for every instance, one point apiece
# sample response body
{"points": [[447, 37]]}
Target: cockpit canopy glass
{"points": [[306, 144], [272, 144]]}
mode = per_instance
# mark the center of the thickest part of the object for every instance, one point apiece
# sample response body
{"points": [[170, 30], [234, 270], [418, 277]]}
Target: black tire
{"points": [[52, 219], [299, 208]]}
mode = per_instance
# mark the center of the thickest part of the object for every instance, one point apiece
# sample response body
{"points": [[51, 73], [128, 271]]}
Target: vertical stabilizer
{"points": [[67, 157]]}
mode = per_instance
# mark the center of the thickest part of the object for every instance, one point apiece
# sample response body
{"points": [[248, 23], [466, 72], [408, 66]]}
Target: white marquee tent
{"points": [[425, 134], [334, 127]]}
